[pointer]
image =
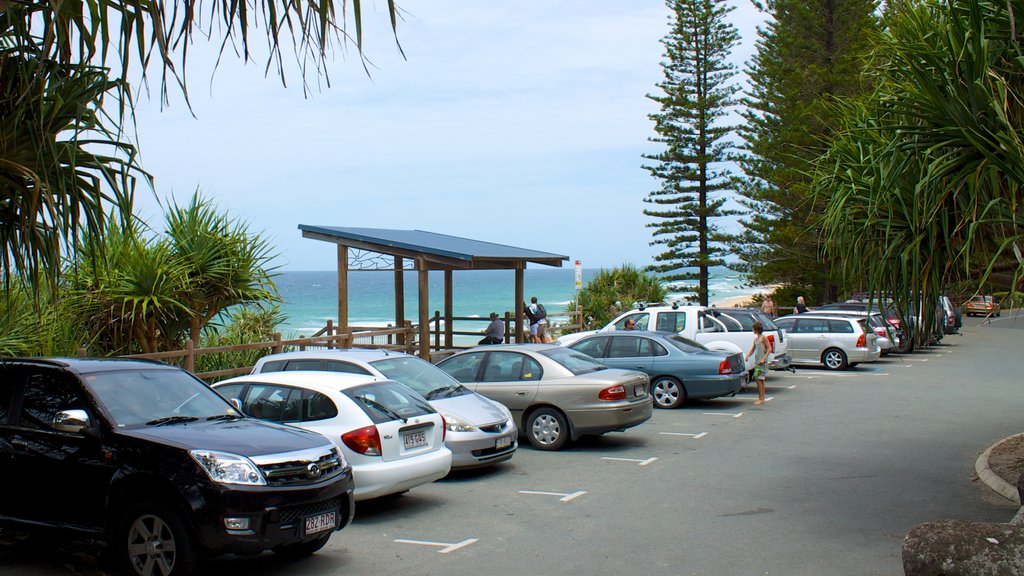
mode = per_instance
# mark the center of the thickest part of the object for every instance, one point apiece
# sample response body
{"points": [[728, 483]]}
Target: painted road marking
{"points": [[564, 497], [791, 387], [694, 436], [724, 414], [642, 462], [445, 545]]}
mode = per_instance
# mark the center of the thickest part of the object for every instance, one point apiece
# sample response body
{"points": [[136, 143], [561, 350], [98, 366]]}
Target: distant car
{"points": [[679, 368], [888, 311], [390, 434], [836, 342], [480, 431], [888, 341], [555, 394], [982, 306]]}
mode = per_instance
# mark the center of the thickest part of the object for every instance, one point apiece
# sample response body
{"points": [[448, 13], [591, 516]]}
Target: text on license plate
{"points": [[638, 390], [503, 442], [321, 522], [414, 439]]}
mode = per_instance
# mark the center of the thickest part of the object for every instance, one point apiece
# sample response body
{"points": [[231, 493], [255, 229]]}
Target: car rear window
{"points": [[743, 320], [573, 361], [388, 401], [685, 344]]}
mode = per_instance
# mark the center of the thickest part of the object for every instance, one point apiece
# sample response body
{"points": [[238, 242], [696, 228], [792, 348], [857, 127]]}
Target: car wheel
{"points": [[547, 429], [668, 392], [302, 549], [834, 359], [154, 541]]}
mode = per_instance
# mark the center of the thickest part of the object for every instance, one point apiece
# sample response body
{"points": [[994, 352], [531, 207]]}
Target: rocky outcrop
{"points": [[958, 548]]}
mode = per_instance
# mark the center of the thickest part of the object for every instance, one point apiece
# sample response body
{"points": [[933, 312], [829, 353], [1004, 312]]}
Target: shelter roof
{"points": [[440, 250]]}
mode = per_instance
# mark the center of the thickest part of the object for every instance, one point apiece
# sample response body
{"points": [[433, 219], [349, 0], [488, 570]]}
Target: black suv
{"points": [[148, 458]]}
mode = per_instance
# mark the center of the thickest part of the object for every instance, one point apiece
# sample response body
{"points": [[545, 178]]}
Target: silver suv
{"points": [[836, 342]]}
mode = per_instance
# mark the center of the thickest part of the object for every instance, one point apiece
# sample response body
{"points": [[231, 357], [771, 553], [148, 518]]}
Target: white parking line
{"points": [[694, 436], [750, 399], [737, 415], [447, 547], [642, 462], [565, 497]]}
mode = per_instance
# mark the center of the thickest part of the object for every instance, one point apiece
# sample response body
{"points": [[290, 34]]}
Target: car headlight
{"points": [[455, 424], [228, 468]]}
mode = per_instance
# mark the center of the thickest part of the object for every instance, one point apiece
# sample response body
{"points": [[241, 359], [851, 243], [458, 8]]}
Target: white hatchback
{"points": [[390, 434]]}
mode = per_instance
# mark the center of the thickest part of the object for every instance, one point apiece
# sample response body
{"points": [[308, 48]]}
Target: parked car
{"points": [[724, 329], [836, 342], [479, 431], [390, 434], [147, 457], [679, 368], [905, 343], [888, 341], [951, 320], [554, 393], [982, 306]]}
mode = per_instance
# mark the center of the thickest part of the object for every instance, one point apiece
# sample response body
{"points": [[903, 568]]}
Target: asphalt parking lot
{"points": [[825, 478]]}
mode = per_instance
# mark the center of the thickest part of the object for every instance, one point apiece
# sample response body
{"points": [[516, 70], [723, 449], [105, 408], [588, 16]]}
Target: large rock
{"points": [[957, 548]]}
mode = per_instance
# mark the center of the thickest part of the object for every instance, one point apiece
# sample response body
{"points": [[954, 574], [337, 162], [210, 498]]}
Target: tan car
{"points": [[555, 394], [982, 305]]}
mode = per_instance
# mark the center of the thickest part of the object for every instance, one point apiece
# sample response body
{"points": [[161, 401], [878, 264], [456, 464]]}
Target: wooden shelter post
{"points": [[342, 288], [400, 295], [448, 284], [423, 273], [520, 297]]}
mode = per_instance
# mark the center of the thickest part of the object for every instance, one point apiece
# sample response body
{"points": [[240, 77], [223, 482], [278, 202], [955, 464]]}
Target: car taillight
{"points": [[880, 332], [862, 340], [444, 428], [613, 393], [894, 321], [771, 342], [724, 367], [363, 441]]}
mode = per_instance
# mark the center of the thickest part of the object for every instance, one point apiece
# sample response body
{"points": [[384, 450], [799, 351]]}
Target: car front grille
{"points": [[302, 471], [492, 451], [292, 514], [495, 428]]}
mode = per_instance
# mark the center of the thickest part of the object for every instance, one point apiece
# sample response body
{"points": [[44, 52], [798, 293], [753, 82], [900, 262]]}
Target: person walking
{"points": [[538, 320], [800, 306], [759, 350], [495, 332], [768, 307]]}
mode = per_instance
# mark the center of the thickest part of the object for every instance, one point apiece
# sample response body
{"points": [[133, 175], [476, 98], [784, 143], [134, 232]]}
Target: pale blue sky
{"points": [[519, 123]]}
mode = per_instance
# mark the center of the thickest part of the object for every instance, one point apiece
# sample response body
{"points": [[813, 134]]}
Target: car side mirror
{"points": [[237, 404], [74, 421]]}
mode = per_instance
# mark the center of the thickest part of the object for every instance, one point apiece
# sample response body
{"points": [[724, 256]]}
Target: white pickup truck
{"points": [[726, 329]]}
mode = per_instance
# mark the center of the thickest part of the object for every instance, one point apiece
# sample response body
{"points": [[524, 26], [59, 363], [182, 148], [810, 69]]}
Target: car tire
{"points": [[547, 429], [302, 549], [153, 539], [668, 392], [834, 359]]}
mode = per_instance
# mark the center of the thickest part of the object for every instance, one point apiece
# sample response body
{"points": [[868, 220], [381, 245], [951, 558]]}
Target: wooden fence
{"points": [[563, 322]]}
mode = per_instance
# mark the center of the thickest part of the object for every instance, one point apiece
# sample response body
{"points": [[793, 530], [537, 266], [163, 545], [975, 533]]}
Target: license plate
{"points": [[503, 442], [414, 440], [321, 522], [638, 390]]}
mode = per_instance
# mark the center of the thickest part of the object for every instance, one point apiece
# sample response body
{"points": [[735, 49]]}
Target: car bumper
{"points": [[858, 355], [478, 448], [715, 386], [276, 514], [610, 419], [780, 362], [380, 478]]}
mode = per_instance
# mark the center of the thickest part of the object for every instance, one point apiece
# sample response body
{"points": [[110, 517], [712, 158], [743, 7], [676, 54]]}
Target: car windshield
{"points": [[685, 344], [575, 362], [141, 397], [423, 377]]}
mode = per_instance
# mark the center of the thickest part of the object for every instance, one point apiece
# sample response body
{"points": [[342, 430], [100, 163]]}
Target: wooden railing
{"points": [[573, 323]]}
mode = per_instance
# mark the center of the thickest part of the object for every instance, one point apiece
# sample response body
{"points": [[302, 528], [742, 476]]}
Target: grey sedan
{"points": [[679, 368], [554, 393]]}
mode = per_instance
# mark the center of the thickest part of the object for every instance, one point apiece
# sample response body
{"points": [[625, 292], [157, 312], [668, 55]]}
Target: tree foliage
{"points": [[923, 184], [613, 291], [696, 94], [809, 53]]}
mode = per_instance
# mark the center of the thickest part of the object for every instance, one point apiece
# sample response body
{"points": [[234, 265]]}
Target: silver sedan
{"points": [[555, 394]]}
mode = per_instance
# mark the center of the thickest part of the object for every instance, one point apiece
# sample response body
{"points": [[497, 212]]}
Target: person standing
{"points": [[495, 332], [768, 307], [538, 320], [800, 306], [759, 350]]}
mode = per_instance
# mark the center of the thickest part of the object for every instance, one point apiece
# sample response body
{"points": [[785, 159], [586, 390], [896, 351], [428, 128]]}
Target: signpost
{"points": [[579, 284]]}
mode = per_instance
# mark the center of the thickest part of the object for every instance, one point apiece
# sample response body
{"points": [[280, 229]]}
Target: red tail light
{"points": [[613, 393], [771, 343], [363, 441], [724, 367], [862, 340], [880, 332], [444, 428], [894, 321]]}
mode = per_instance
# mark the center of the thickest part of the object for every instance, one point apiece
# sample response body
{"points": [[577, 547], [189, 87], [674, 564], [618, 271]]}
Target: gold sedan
{"points": [[982, 305]]}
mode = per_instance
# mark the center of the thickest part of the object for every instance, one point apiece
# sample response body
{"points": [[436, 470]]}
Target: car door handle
{"points": [[521, 393]]}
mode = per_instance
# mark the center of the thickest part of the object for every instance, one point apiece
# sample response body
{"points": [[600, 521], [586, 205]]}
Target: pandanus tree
{"points": [[614, 291], [924, 181]]}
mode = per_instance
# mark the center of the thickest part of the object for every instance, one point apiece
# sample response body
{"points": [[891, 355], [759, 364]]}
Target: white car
{"points": [[389, 434], [481, 432]]}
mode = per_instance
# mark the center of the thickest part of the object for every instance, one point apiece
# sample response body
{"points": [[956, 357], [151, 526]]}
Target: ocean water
{"points": [[310, 298]]}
